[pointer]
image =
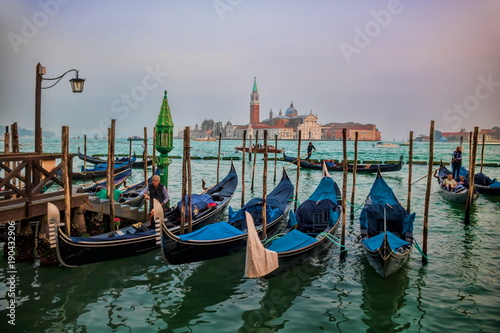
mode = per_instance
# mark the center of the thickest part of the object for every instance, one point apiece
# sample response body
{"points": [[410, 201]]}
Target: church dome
{"points": [[291, 111]]}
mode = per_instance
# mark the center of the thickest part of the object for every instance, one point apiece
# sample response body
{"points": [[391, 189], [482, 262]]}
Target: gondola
{"points": [[104, 166], [260, 149], [126, 242], [483, 184], [360, 168], [91, 175], [456, 196], [386, 229], [316, 219], [223, 238], [136, 239], [118, 179], [98, 160]]}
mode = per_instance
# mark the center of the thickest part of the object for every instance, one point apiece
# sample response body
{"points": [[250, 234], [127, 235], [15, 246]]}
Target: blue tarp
{"points": [[495, 184], [214, 231], [199, 201], [326, 190], [321, 209], [221, 188], [375, 242], [382, 198], [276, 203], [293, 240]]}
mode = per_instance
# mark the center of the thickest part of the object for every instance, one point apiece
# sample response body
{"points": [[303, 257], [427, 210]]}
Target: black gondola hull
{"points": [[389, 264], [288, 260], [360, 168], [176, 252]]}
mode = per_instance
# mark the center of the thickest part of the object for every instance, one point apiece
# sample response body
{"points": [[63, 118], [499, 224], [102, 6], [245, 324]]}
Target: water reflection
{"points": [[382, 299], [211, 283], [280, 294]]}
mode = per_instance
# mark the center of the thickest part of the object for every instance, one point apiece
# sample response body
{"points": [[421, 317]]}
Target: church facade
{"points": [[287, 126]]}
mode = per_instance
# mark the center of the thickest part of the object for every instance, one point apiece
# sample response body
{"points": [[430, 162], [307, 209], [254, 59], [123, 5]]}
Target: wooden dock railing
{"points": [[25, 180]]}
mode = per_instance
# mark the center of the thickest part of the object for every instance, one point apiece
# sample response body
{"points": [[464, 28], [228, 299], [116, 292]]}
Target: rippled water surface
{"points": [[457, 291]]}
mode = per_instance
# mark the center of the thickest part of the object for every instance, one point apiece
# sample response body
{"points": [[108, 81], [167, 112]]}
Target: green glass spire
{"points": [[164, 139], [254, 84], [164, 128]]}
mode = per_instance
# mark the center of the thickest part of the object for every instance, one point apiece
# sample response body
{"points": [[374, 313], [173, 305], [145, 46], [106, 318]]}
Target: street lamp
{"points": [[76, 86]]}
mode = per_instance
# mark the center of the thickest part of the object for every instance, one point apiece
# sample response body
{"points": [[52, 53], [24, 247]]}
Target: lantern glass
{"points": [[77, 84]]}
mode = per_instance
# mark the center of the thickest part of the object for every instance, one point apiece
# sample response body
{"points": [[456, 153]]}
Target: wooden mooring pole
{"points": [[110, 174], [184, 181], [275, 156], [85, 151], [428, 193], [482, 154], [189, 180], [410, 165], [243, 169], [345, 165], [354, 167], [66, 180], [145, 169], [264, 190], [472, 172], [153, 159], [218, 157], [254, 159], [298, 173]]}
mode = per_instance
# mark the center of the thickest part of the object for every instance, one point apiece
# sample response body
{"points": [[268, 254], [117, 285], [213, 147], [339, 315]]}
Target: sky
{"points": [[396, 64]]}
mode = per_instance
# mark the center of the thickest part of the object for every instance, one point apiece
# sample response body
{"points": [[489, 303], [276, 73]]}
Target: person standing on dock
{"points": [[155, 190], [310, 149], [456, 162]]}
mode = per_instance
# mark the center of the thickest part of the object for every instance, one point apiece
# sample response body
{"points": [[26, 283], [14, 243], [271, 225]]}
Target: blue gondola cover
{"points": [[214, 231], [375, 242], [293, 240]]}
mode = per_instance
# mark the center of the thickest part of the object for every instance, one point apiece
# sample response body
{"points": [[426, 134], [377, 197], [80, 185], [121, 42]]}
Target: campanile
{"points": [[254, 104]]}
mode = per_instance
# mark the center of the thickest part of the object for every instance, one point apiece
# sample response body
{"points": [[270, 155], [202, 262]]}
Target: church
{"points": [[283, 127], [287, 126]]}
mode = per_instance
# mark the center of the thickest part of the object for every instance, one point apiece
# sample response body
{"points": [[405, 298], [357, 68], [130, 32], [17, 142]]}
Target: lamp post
{"points": [[76, 86], [164, 139]]}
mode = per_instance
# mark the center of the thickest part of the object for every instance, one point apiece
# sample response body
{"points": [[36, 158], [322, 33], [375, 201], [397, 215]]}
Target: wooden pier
{"points": [[27, 185]]}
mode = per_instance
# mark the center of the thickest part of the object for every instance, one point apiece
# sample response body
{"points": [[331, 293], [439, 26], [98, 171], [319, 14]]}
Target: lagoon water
{"points": [[457, 291]]}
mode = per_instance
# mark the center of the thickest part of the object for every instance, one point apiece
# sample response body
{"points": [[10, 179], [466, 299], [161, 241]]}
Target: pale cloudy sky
{"points": [[398, 64]]}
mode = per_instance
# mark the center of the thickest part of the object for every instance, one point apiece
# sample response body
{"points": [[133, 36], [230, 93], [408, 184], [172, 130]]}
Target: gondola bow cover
{"points": [[259, 261]]}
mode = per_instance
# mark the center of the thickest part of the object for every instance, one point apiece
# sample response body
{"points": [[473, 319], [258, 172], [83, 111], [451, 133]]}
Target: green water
{"points": [[457, 291]]}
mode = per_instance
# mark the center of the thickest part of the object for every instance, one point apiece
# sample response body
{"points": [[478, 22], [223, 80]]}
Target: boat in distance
{"points": [[381, 144], [360, 168], [259, 149]]}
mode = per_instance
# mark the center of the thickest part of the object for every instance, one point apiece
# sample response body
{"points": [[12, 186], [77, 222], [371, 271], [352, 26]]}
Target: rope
{"points": [[351, 205], [385, 258], [419, 249], [269, 240]]}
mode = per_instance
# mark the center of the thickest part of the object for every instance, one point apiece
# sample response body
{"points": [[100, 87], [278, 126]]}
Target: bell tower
{"points": [[254, 104]]}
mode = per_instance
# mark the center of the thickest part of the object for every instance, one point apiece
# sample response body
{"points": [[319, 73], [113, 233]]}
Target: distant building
{"points": [[366, 132], [286, 126], [283, 126]]}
